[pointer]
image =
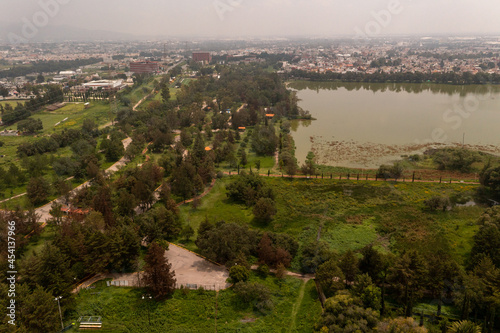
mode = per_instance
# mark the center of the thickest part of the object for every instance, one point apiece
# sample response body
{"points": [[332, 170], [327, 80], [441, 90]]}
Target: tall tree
{"points": [[158, 275], [37, 190], [408, 276]]}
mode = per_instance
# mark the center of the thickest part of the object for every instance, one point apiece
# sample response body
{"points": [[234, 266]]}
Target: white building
{"points": [[105, 85]]}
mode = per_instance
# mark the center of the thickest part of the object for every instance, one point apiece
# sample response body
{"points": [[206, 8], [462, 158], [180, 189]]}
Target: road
{"points": [[43, 211]]}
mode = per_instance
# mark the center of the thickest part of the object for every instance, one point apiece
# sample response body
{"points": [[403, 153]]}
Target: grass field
{"points": [[12, 103], [75, 114], [350, 214], [123, 310], [70, 116]]}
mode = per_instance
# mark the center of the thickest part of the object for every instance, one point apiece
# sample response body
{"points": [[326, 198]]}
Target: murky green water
{"points": [[365, 125]]}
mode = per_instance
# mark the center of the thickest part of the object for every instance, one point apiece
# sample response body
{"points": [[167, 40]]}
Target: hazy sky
{"points": [[238, 18]]}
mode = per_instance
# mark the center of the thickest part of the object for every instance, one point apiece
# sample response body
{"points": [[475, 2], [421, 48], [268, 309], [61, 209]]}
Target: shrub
{"points": [[239, 273], [264, 210], [437, 202]]}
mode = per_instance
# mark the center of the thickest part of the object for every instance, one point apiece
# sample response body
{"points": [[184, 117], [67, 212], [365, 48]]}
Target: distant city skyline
{"points": [[263, 18]]}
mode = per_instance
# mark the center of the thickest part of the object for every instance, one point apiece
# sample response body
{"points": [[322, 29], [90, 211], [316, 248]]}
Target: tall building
{"points": [[202, 56], [141, 67]]}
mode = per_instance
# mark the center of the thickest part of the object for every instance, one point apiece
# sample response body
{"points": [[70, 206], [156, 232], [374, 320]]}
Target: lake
{"points": [[363, 125]]}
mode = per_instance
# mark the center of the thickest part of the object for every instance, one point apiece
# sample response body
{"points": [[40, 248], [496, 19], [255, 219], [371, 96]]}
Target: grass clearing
{"points": [[353, 214], [123, 310]]}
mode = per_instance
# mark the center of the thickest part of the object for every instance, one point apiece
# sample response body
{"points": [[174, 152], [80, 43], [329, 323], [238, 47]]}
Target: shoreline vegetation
{"points": [[451, 78]]}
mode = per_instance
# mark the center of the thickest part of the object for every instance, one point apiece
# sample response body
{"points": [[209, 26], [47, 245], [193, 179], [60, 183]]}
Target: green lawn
{"points": [[123, 310]]}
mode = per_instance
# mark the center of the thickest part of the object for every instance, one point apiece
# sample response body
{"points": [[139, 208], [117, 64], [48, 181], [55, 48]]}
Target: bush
{"points": [[254, 293], [457, 159], [438, 202], [239, 273], [264, 210], [387, 171], [248, 188], [263, 270]]}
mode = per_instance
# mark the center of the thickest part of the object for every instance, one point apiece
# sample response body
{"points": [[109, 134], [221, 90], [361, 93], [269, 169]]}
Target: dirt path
{"points": [[296, 306], [142, 100], [366, 179], [207, 191], [16, 196]]}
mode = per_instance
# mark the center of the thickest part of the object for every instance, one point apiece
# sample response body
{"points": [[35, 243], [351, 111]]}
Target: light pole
{"points": [[60, 313], [145, 297]]}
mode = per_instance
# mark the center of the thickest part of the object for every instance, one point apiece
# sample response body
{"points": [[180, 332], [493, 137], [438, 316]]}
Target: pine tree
{"points": [[158, 275]]}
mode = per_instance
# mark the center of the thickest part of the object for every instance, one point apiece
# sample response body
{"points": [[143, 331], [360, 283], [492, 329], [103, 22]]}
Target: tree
{"points": [[464, 327], [50, 268], [313, 255], [187, 232], [239, 273], [390, 171], [309, 168], [490, 178], [30, 126], [254, 293], [349, 266], [158, 275], [165, 93], [37, 190], [330, 277], [243, 159], [264, 210], [344, 313], [371, 263], [400, 325], [487, 238], [37, 311], [438, 202], [368, 292], [264, 140], [225, 241], [408, 276]]}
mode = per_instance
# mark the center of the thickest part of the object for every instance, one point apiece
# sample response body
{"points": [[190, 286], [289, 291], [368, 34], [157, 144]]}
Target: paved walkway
{"points": [[190, 270]]}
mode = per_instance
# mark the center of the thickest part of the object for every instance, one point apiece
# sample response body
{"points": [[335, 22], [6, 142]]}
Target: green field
{"points": [[352, 214], [76, 114], [295, 309], [12, 103]]}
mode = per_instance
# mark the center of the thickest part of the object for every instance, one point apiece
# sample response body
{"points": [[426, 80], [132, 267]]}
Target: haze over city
{"points": [[259, 18]]}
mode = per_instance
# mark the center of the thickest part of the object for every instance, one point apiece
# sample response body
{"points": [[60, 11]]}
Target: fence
{"points": [[213, 287]]}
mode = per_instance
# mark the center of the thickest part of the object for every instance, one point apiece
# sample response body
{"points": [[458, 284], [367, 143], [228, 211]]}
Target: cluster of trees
{"points": [[490, 179], [250, 189], [47, 66], [455, 159], [30, 126], [191, 174], [357, 286], [264, 140], [400, 77], [287, 160], [230, 244]]}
